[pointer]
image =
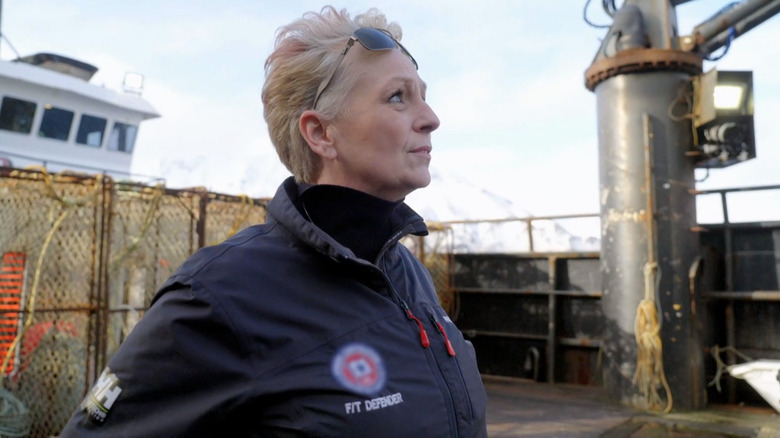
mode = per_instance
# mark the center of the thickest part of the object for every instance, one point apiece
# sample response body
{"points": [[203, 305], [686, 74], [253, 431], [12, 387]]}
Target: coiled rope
{"points": [[649, 357]]}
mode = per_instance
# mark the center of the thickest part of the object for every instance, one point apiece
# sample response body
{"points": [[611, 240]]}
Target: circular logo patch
{"points": [[359, 368]]}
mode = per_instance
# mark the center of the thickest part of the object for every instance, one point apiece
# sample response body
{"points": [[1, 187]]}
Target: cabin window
{"points": [[122, 137], [16, 115], [91, 130], [56, 123]]}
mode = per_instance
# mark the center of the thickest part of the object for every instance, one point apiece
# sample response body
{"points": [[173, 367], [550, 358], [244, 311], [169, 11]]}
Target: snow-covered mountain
{"points": [[485, 222], [452, 197]]}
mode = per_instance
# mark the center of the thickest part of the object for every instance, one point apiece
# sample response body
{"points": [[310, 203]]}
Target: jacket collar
{"points": [[282, 210]]}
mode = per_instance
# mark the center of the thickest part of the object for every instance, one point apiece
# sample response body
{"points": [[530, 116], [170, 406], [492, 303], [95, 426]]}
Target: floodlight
{"points": [[728, 97], [133, 83], [723, 118]]}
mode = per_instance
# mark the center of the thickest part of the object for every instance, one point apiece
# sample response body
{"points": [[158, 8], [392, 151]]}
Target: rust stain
{"points": [[626, 216]]}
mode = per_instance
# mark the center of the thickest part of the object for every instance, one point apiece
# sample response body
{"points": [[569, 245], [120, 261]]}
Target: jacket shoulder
{"points": [[254, 243]]}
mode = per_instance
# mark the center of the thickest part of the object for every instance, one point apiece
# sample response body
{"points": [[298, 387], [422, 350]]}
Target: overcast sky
{"points": [[504, 76]]}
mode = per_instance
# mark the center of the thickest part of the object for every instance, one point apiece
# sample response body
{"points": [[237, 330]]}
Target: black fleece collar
{"points": [[357, 220]]}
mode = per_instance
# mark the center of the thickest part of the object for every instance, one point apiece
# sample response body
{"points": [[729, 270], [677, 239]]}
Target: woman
{"points": [[317, 323]]}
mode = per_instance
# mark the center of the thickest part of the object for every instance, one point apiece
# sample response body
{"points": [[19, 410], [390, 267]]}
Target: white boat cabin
{"points": [[52, 116]]}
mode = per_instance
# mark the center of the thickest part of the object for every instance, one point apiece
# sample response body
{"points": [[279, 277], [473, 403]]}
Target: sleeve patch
{"points": [[101, 397]]}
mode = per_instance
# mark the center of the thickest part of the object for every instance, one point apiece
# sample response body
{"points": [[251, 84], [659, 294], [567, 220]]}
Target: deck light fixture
{"points": [[723, 118], [133, 83]]}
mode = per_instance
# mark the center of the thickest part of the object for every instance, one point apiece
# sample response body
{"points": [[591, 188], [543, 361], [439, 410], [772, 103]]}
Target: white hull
{"points": [[764, 376]]}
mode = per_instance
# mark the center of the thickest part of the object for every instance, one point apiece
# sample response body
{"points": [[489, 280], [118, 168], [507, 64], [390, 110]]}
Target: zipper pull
{"points": [[424, 341], [438, 325]]}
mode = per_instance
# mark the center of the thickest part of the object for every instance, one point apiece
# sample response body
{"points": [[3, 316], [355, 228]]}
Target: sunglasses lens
{"points": [[374, 39]]}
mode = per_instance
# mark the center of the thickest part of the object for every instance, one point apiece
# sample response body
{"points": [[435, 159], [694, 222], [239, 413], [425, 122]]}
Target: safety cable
{"points": [[732, 35], [590, 23]]}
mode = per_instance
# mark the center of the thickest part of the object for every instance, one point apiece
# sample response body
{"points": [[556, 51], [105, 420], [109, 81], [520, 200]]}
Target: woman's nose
{"points": [[428, 121]]}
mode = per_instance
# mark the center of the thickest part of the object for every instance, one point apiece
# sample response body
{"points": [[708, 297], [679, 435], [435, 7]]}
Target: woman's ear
{"points": [[314, 130]]}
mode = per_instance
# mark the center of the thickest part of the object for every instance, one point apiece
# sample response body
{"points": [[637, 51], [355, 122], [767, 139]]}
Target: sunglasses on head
{"points": [[370, 38]]}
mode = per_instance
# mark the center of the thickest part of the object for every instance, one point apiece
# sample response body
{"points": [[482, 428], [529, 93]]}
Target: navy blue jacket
{"points": [[282, 331]]}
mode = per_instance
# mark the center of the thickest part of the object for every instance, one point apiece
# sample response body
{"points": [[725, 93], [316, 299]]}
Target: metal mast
{"points": [[642, 77]]}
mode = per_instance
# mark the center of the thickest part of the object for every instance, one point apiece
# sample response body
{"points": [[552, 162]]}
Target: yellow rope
{"points": [[67, 204], [649, 358], [135, 242], [48, 180]]}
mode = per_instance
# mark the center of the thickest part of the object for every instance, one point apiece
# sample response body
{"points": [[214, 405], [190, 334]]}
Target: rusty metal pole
{"points": [[642, 84]]}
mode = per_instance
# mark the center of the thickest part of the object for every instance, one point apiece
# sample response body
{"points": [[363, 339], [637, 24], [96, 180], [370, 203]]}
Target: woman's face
{"points": [[383, 139]]}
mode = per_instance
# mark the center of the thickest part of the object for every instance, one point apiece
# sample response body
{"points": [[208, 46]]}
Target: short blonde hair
{"points": [[305, 53]]}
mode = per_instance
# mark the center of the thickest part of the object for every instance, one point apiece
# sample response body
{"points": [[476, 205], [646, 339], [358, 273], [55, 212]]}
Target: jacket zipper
{"points": [[424, 341], [440, 328]]}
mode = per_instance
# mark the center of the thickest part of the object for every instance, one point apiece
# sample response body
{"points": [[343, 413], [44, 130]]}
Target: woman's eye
{"points": [[396, 97]]}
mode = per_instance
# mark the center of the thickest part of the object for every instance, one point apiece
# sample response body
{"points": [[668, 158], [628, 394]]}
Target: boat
{"points": [[764, 376], [52, 116]]}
